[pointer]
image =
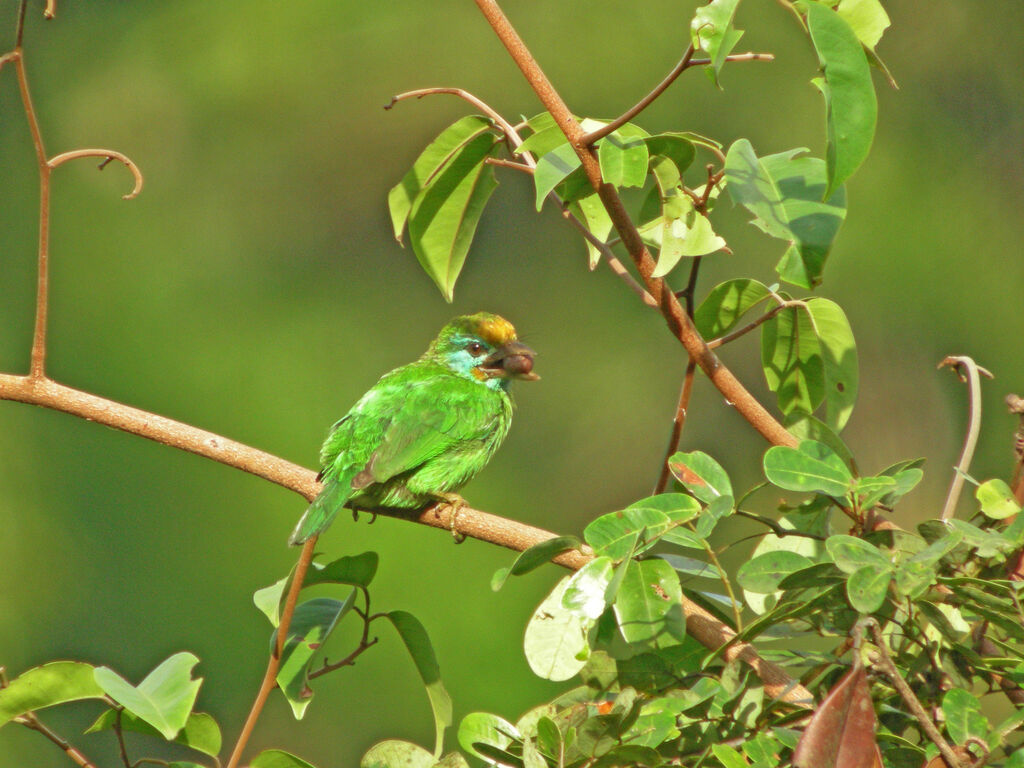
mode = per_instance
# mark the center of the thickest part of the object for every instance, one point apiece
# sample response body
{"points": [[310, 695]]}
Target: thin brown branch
{"points": [[499, 161], [884, 662], [108, 155], [678, 422], [973, 379], [640, 106], [783, 304], [679, 324], [122, 747], [274, 662], [684, 64], [29, 720]]}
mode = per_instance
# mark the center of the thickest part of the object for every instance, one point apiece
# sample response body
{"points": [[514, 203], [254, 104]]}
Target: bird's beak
{"points": [[511, 361]]}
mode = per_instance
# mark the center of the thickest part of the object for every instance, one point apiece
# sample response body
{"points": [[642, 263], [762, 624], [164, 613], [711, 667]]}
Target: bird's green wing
{"points": [[437, 413]]}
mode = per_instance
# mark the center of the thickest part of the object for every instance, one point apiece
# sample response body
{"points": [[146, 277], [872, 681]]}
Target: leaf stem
{"points": [[29, 720]]}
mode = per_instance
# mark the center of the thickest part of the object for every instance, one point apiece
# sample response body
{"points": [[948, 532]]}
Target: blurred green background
{"points": [[254, 290]]}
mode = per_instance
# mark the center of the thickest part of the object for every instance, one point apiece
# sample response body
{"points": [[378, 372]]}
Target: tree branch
{"points": [[474, 523], [973, 380], [679, 324]]}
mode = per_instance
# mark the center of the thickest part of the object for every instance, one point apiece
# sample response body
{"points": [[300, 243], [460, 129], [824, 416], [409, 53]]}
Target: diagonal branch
{"points": [[973, 379], [474, 523], [679, 324]]}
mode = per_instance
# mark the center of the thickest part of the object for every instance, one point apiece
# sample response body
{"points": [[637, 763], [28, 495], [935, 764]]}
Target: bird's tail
{"points": [[320, 514]]}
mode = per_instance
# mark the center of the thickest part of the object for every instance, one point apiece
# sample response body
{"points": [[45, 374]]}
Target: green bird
{"points": [[425, 429]]}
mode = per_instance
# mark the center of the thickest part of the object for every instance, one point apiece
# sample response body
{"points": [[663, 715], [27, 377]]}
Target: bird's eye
{"points": [[475, 348]]}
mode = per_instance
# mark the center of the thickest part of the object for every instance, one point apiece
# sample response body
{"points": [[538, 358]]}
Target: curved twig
{"points": [[108, 155], [959, 364]]}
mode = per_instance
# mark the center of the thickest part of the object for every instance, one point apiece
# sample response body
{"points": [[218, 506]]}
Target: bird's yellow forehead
{"points": [[495, 330]]}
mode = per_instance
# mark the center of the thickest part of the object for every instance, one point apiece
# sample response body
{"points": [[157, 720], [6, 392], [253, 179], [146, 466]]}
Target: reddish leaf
{"points": [[841, 733]]}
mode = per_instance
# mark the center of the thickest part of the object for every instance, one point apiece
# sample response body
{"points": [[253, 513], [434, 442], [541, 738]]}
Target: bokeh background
{"points": [[254, 290]]}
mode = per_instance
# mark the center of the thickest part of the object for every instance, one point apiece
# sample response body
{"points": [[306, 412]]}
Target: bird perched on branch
{"points": [[425, 429]]}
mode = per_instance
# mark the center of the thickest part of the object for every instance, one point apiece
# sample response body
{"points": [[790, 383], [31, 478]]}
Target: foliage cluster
{"points": [[922, 629]]}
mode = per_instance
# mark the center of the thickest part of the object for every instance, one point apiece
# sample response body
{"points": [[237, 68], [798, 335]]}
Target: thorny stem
{"points": [[973, 380], [274, 662], [679, 324], [884, 662]]}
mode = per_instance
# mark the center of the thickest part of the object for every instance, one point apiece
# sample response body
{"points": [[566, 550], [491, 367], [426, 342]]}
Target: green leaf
{"points": [[616, 534], [681, 231], [997, 500], [670, 155], [677, 507], [792, 361], [867, 19], [785, 193], [420, 648], [867, 587], [701, 475], [46, 685], [763, 573], [312, 623], [648, 604], [201, 731], [278, 758], [729, 757], [691, 566], [435, 157], [839, 356], [964, 718], [726, 304], [851, 554], [545, 135], [850, 100], [444, 217], [555, 641], [397, 754], [594, 216], [807, 427], [811, 467], [711, 31], [552, 168], [623, 156], [869, 490], [484, 729], [585, 592], [164, 699], [534, 557], [355, 570]]}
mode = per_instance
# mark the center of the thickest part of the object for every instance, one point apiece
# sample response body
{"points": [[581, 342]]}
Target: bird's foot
{"points": [[456, 503], [370, 512]]}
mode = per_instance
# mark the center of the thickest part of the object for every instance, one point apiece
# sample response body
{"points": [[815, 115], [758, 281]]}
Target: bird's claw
{"points": [[456, 504]]}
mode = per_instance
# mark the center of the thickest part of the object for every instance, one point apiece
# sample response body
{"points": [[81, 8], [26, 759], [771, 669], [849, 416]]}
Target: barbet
{"points": [[425, 429]]}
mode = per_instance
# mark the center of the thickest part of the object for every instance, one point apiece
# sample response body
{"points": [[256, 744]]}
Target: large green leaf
{"points": [[586, 591], [312, 623], [964, 718], [278, 758], [534, 557], [437, 154], [701, 475], [996, 499], [763, 573], [164, 699], [850, 102], [416, 640], [594, 216], [444, 217], [851, 554], [556, 637], [726, 304], [680, 231], [355, 570], [397, 754], [552, 169], [810, 467], [839, 359], [785, 193], [479, 730], [867, 19], [616, 534], [792, 360], [648, 604], [711, 31], [201, 731], [623, 156], [46, 685]]}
